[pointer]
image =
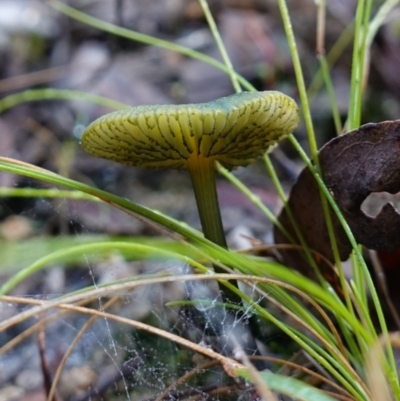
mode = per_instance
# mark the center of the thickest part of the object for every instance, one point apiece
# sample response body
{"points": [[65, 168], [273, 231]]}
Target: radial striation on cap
{"points": [[232, 130]]}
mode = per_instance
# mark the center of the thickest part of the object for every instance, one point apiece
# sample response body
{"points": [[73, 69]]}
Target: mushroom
{"points": [[232, 130]]}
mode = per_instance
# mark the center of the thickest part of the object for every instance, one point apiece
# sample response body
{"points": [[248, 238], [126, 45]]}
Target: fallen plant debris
{"points": [[354, 165]]}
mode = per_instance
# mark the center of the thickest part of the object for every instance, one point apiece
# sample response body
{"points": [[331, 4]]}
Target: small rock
{"points": [[11, 393], [76, 381], [31, 379], [27, 16], [15, 228]]}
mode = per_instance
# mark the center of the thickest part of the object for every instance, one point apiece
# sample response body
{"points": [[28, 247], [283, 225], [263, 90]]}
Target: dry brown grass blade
{"points": [[34, 78], [376, 375], [154, 330], [26, 333], [72, 346], [140, 326]]}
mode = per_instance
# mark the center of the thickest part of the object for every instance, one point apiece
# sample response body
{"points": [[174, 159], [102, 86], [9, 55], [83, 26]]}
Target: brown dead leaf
{"points": [[354, 165]]}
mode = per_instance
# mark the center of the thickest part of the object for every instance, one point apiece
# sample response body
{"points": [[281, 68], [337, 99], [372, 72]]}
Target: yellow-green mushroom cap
{"points": [[232, 130]]}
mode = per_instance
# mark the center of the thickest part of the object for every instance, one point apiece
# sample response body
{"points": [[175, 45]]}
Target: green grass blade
{"points": [[331, 93], [220, 44], [288, 386]]}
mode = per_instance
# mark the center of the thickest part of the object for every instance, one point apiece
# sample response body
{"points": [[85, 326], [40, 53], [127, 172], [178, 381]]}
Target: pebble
{"points": [[30, 379], [76, 381], [11, 393]]}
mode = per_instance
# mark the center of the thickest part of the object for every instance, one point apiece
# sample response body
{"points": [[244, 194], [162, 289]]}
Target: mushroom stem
{"points": [[202, 173]]}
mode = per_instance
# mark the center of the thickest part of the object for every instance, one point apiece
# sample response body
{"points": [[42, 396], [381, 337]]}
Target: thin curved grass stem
{"points": [[217, 37]]}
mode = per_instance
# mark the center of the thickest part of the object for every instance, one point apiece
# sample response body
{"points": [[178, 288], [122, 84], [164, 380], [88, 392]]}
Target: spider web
{"points": [[112, 360]]}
